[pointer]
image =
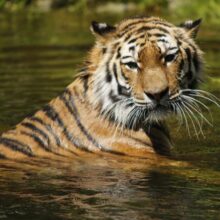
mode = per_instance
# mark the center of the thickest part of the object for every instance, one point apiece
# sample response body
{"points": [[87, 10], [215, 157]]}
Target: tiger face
{"points": [[145, 67]]}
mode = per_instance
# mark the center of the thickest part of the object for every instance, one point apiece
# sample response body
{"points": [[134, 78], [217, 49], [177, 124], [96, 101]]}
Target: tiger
{"points": [[140, 71]]}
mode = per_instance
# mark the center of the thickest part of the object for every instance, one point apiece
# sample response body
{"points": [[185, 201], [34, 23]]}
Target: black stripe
{"points": [[114, 46], [148, 28], [129, 27], [53, 115], [124, 91], [150, 22], [144, 28], [85, 79], [189, 57], [132, 40], [141, 36], [192, 46], [188, 53], [162, 40], [114, 98], [164, 24], [2, 156], [104, 50], [115, 72], [196, 62], [108, 74], [74, 112], [37, 140], [115, 152], [47, 127], [83, 69], [51, 131], [127, 37], [118, 53], [16, 146], [135, 39], [124, 57], [181, 66], [159, 35], [131, 48], [37, 130], [179, 42], [142, 20], [132, 23], [121, 89]]}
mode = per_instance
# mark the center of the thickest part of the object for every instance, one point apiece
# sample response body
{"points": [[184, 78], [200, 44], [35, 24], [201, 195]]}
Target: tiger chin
{"points": [[138, 72]]}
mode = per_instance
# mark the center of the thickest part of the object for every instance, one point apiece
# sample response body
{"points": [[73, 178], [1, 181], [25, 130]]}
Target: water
{"points": [[39, 55]]}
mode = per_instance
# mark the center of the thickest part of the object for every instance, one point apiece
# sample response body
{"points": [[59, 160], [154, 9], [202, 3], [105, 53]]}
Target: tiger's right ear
{"points": [[101, 29], [191, 27]]}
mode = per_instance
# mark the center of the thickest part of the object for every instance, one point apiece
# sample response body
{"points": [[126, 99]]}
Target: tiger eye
{"points": [[132, 65], [169, 58]]}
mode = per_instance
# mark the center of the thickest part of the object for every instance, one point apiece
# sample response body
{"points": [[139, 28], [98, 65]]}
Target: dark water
{"points": [[39, 55]]}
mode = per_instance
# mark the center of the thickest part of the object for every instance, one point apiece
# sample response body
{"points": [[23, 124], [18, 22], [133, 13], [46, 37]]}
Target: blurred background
{"points": [[43, 43], [209, 10]]}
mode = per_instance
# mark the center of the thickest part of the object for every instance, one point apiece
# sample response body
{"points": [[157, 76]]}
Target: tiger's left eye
{"points": [[132, 65], [169, 58]]}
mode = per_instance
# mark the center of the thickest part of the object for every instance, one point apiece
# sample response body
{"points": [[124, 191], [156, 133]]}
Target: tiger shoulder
{"points": [[138, 72]]}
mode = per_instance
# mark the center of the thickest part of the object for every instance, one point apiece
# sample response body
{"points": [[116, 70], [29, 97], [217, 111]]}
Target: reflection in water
{"points": [[39, 55], [102, 188]]}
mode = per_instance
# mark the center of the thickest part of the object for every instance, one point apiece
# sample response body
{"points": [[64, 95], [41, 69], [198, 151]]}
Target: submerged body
{"points": [[69, 125], [137, 73]]}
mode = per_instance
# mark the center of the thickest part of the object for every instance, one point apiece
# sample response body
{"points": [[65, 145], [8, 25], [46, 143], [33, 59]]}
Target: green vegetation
{"points": [[209, 10]]}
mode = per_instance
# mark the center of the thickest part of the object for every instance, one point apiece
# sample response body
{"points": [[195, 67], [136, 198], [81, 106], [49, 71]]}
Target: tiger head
{"points": [[144, 68]]}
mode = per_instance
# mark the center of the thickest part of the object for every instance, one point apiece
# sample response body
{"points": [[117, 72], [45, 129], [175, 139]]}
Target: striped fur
{"points": [[133, 77]]}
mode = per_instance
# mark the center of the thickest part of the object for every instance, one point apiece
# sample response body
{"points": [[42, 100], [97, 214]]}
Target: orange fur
{"points": [[72, 125]]}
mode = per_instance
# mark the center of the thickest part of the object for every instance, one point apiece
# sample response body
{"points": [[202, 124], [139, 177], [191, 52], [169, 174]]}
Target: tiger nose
{"points": [[157, 97]]}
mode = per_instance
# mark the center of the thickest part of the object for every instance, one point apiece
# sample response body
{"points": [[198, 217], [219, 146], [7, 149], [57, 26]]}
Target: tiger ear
{"points": [[191, 27], [101, 29]]}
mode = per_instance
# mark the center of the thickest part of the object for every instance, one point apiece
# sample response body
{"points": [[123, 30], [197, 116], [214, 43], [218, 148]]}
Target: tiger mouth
{"points": [[153, 106], [160, 105], [155, 111]]}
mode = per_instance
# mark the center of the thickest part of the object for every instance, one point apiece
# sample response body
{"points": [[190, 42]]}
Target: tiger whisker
{"points": [[200, 124], [193, 100], [193, 103], [185, 118], [201, 115], [207, 98], [187, 106], [196, 103], [191, 119], [132, 118], [204, 92], [176, 109]]}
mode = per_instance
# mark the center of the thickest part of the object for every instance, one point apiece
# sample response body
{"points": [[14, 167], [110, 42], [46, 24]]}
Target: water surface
{"points": [[39, 55]]}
